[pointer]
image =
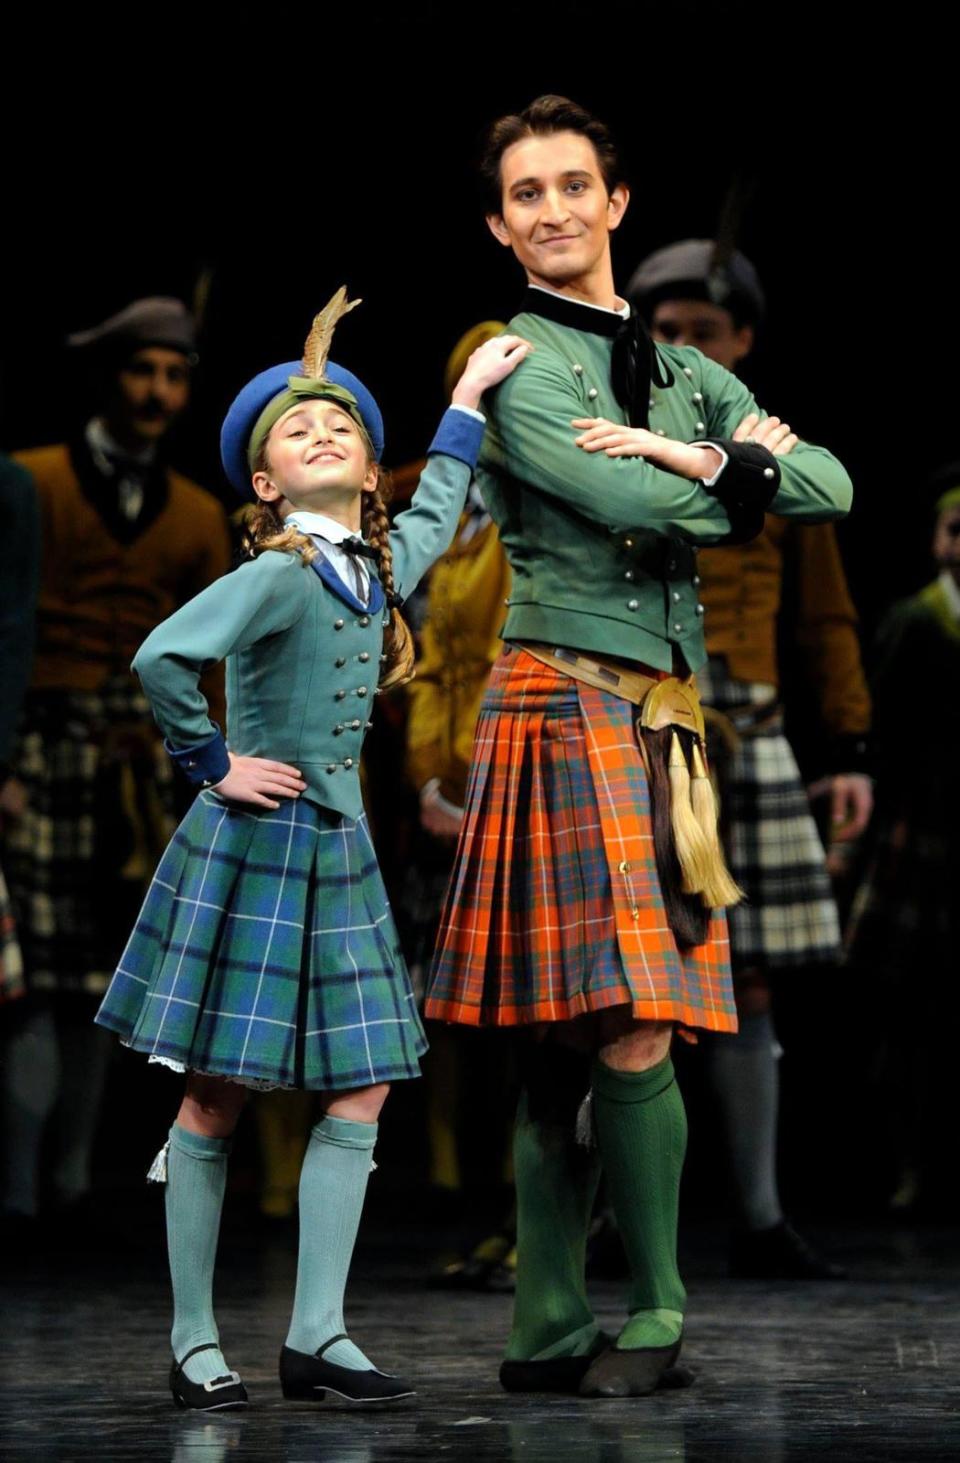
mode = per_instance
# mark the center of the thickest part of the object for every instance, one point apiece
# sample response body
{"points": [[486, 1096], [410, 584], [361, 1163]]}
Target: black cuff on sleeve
{"points": [[746, 523], [850, 752], [751, 477]]}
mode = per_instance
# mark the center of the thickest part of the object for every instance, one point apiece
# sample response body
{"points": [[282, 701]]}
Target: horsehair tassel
{"points": [[318, 343], [584, 1133], [720, 889], [157, 1172], [691, 846]]}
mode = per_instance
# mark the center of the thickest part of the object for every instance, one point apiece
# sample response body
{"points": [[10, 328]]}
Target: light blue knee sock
{"points": [[196, 1180], [333, 1183]]}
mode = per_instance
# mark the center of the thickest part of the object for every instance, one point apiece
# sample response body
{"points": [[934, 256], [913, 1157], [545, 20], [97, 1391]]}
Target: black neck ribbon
{"points": [[635, 365]]}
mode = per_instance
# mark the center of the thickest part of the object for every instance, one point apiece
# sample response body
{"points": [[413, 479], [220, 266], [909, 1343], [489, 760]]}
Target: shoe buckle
{"points": [[230, 1380]]}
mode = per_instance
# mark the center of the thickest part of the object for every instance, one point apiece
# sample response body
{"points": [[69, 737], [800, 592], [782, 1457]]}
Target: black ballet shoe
{"points": [[558, 1374], [676, 1378], [219, 1395], [635, 1373], [310, 1378]]}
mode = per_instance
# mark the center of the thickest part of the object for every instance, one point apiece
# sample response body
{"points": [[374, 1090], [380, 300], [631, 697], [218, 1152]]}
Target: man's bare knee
{"points": [[628, 1045]]}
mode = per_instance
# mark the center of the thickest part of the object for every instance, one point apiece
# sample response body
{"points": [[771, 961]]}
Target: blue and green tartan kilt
{"points": [[266, 952]]}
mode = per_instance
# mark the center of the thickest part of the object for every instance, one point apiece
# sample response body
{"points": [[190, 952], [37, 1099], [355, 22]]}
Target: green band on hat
{"points": [[950, 499], [302, 388]]}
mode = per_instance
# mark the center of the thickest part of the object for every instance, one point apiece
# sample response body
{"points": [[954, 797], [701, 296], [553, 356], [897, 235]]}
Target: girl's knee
{"points": [[211, 1106], [361, 1105]]}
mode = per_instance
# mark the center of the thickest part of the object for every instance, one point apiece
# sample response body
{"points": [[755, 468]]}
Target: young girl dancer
{"points": [[265, 952]]}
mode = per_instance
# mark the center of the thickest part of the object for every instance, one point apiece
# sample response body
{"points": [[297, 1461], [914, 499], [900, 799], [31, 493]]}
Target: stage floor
{"points": [[866, 1369]]}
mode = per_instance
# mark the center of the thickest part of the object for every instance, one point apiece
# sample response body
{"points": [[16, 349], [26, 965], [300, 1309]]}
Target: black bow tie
{"points": [[355, 550], [359, 549]]}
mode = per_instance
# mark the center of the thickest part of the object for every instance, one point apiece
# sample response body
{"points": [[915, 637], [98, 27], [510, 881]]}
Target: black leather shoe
{"points": [[310, 1378], [779, 1253], [637, 1373], [216, 1396], [559, 1374]]}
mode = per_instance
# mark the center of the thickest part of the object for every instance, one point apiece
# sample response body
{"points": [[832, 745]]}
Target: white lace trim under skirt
{"points": [[257, 1084]]}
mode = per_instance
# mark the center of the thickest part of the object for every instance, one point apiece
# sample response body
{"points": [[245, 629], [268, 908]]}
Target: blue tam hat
{"points": [[274, 384], [263, 401]]}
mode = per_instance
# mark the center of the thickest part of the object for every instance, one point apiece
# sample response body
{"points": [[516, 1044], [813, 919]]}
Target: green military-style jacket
{"points": [[302, 652], [603, 549]]}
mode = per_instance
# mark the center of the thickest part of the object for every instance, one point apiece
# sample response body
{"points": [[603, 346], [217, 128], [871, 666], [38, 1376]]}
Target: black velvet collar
{"points": [[571, 313], [635, 362]]}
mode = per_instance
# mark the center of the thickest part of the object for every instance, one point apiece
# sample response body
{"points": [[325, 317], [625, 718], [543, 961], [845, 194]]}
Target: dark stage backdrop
{"points": [[286, 155], [278, 154]]}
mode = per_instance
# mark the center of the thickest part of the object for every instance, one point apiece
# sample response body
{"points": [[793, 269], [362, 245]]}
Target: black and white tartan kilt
{"points": [[266, 952], [100, 809], [789, 917]]}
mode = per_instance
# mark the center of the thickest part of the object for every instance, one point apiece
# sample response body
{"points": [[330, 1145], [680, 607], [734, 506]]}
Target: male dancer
{"points": [[695, 293], [125, 539], [605, 463]]}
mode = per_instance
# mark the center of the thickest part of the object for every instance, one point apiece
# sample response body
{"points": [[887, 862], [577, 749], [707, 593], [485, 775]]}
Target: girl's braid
{"points": [[398, 649]]}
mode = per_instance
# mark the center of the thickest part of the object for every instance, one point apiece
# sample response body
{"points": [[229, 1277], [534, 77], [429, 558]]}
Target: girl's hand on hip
{"points": [[599, 435], [488, 364], [259, 781]]}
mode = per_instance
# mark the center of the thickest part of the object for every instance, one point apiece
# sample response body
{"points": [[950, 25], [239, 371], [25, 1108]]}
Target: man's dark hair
{"points": [[544, 116]]}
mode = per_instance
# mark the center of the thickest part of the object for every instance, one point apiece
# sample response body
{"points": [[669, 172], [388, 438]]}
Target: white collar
{"points": [[951, 589], [321, 525], [623, 312], [104, 447]]}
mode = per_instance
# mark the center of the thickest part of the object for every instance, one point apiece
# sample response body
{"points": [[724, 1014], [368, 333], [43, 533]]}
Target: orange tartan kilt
{"points": [[554, 907]]}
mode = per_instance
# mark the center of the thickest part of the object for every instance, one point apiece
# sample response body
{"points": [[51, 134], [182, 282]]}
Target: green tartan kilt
{"points": [[266, 952]]}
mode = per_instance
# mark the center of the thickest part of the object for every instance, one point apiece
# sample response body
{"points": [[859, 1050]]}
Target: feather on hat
{"points": [[264, 400]]}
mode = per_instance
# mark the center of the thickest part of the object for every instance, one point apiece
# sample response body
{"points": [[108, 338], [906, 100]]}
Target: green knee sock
{"points": [[556, 1182], [196, 1179], [642, 1132], [333, 1183]]}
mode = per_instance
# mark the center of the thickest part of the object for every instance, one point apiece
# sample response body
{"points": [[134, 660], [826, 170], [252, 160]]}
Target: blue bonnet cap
{"points": [[249, 404]]}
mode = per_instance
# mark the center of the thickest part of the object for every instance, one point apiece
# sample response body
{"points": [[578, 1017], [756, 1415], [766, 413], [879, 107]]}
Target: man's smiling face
{"points": [[556, 213]]}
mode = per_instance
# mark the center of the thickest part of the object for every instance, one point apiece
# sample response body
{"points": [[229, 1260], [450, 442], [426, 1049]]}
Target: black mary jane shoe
{"points": [[218, 1395], [558, 1374], [635, 1373], [310, 1378]]}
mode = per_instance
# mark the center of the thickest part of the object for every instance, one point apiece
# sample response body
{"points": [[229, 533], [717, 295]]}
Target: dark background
{"points": [[277, 156], [283, 155]]}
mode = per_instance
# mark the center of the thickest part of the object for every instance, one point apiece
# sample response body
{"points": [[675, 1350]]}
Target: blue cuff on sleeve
{"points": [[459, 435], [204, 764]]}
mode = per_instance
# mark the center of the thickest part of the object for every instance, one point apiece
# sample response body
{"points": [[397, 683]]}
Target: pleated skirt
{"points": [[266, 952], [554, 907]]}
